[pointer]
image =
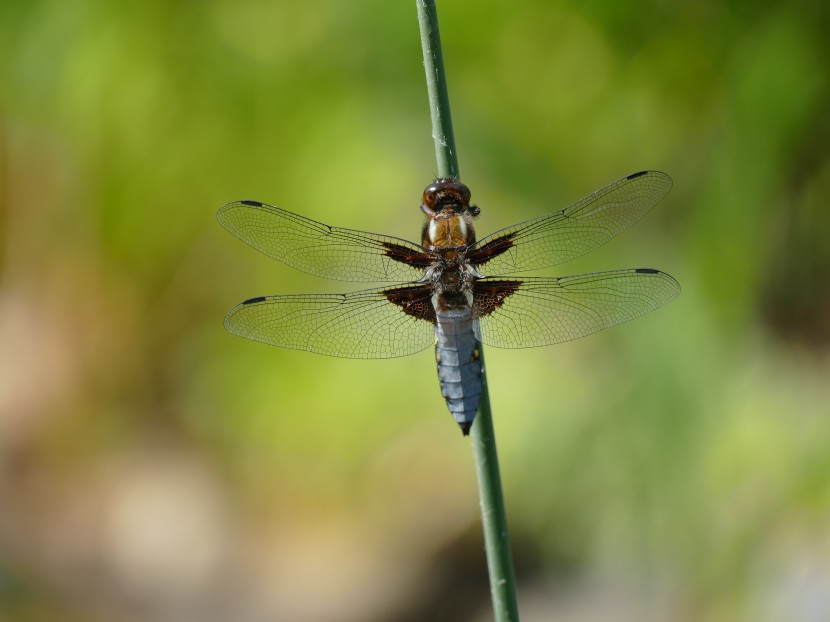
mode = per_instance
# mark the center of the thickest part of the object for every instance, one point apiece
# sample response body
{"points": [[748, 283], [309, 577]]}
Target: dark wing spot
{"points": [[647, 271], [252, 203], [414, 300], [490, 295], [407, 255], [636, 175], [480, 255], [251, 301]]}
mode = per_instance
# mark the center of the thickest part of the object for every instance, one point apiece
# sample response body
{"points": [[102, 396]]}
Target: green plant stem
{"points": [[439, 99], [493, 515]]}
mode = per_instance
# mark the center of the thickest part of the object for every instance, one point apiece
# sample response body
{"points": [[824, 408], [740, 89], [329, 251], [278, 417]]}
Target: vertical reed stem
{"points": [[493, 515]]}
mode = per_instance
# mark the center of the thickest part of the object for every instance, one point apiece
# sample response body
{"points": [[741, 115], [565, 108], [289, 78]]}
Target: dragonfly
{"points": [[451, 291]]}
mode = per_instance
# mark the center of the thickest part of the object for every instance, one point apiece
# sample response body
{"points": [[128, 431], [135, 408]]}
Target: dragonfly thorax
{"points": [[446, 203], [451, 276], [447, 229]]}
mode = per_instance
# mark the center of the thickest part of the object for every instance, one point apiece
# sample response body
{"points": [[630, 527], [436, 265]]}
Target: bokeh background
{"points": [[155, 468]]}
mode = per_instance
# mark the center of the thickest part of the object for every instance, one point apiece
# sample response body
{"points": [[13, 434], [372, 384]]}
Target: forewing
{"points": [[316, 248], [369, 324], [578, 229], [530, 312]]}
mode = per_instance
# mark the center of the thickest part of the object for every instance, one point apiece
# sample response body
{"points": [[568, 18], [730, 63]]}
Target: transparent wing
{"points": [[361, 325], [530, 312], [316, 248], [578, 229]]}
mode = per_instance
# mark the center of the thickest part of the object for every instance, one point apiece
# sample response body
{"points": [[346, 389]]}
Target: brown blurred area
{"points": [[155, 468]]}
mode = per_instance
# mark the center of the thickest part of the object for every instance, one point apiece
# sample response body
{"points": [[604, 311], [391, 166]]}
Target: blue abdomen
{"points": [[459, 365]]}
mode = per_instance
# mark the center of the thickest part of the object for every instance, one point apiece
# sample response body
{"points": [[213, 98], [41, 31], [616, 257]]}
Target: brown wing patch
{"points": [[489, 295], [482, 254], [406, 255], [414, 300]]}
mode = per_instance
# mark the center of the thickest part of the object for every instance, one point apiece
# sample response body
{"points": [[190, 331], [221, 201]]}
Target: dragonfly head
{"points": [[447, 194]]}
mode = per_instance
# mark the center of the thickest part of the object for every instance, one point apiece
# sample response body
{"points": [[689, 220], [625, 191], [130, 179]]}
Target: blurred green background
{"points": [[154, 467]]}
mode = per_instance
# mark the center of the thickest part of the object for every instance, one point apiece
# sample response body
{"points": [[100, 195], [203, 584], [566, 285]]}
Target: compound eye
{"points": [[431, 195], [475, 211], [465, 192]]}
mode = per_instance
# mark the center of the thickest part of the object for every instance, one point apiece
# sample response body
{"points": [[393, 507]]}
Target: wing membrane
{"points": [[363, 325], [530, 312], [316, 248], [578, 229]]}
